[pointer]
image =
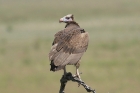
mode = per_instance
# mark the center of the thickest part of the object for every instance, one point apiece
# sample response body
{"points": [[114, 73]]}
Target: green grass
{"points": [[110, 65]]}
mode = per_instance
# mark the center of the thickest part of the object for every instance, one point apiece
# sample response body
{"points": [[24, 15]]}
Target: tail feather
{"points": [[53, 67]]}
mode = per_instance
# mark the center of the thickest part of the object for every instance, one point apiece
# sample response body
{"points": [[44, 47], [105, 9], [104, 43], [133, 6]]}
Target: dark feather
{"points": [[53, 67]]}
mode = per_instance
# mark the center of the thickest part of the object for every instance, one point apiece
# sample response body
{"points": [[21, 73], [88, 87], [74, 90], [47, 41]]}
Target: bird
{"points": [[68, 46]]}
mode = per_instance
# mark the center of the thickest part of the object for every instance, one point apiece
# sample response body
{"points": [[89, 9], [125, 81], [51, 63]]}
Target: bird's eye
{"points": [[67, 18]]}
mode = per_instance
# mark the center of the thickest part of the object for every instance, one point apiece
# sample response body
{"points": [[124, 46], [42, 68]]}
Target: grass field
{"points": [[110, 65]]}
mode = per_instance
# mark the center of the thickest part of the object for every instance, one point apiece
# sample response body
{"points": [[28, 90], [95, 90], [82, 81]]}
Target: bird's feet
{"points": [[78, 76]]}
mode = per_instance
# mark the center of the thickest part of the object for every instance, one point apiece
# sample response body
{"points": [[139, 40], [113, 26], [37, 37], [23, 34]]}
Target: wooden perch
{"points": [[69, 77]]}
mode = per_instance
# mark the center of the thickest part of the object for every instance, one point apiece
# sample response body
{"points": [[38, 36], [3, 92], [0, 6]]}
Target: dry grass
{"points": [[111, 63]]}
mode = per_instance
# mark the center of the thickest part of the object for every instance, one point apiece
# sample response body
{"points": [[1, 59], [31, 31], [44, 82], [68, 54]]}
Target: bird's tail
{"points": [[53, 67]]}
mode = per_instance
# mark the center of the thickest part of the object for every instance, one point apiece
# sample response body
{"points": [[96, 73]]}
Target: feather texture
{"points": [[68, 46]]}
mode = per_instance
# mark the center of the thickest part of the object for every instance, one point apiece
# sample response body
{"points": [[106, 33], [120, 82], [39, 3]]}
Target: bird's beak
{"points": [[60, 20]]}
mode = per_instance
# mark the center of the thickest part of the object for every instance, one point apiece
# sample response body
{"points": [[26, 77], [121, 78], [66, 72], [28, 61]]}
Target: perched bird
{"points": [[68, 46]]}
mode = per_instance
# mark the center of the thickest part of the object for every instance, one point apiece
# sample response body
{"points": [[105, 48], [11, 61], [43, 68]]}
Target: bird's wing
{"points": [[68, 46]]}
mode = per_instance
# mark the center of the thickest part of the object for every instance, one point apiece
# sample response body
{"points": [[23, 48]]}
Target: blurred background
{"points": [[110, 65]]}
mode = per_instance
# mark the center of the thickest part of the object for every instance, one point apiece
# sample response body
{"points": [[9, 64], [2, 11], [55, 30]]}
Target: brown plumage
{"points": [[69, 45]]}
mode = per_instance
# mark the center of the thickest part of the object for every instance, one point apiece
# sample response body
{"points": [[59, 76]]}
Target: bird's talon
{"points": [[75, 75]]}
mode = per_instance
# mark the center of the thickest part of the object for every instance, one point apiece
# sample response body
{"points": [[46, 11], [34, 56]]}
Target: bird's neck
{"points": [[73, 23]]}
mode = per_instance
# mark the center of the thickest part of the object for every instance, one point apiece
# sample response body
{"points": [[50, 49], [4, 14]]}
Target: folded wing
{"points": [[68, 47]]}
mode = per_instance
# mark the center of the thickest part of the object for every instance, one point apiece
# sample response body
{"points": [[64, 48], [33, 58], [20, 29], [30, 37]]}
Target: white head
{"points": [[66, 19]]}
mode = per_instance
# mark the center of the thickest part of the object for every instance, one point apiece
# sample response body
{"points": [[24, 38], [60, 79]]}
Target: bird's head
{"points": [[66, 19]]}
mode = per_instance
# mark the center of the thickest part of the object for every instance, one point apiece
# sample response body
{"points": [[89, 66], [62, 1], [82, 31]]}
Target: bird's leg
{"points": [[65, 71], [77, 71]]}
